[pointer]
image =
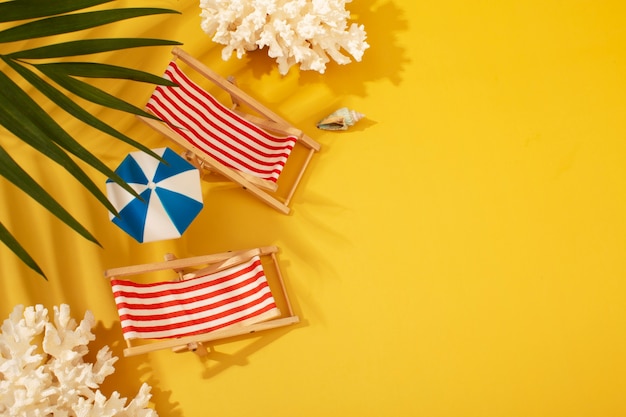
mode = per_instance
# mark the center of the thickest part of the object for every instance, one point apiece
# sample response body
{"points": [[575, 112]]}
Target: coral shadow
{"points": [[131, 371], [384, 59]]}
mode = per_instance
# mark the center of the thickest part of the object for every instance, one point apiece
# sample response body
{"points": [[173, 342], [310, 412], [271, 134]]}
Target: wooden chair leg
{"points": [[196, 347], [299, 177], [268, 199]]}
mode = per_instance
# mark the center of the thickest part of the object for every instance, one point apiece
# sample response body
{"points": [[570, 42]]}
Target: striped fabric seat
{"points": [[213, 128], [237, 296]]}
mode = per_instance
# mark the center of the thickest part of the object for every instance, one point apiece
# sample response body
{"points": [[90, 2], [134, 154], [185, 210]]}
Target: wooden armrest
{"points": [[176, 264]]}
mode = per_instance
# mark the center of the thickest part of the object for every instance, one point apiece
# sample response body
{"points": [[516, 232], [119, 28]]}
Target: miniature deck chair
{"points": [[222, 296], [249, 149]]}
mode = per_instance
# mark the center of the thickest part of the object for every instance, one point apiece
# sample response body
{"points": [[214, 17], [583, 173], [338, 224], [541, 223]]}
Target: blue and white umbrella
{"points": [[171, 192]]}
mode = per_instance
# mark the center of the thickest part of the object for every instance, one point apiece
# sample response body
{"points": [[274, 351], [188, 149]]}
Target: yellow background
{"points": [[460, 252]]}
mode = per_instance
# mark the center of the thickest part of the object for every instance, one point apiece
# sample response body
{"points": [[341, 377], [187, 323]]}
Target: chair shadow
{"points": [[135, 368], [217, 361], [275, 227]]}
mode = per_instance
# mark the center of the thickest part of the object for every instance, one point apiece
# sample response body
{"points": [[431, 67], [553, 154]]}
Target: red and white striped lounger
{"points": [[249, 149], [224, 295]]}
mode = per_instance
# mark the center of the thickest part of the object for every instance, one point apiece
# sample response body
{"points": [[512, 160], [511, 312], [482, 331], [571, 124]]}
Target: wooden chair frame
{"points": [[214, 263], [266, 119]]}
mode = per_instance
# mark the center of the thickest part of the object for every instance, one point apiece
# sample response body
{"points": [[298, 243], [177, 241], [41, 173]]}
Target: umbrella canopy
{"points": [[171, 193]]}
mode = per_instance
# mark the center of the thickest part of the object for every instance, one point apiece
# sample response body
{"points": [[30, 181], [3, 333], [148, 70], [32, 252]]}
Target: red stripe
{"points": [[192, 136], [209, 139], [230, 119], [208, 329], [202, 110], [219, 106], [208, 319], [178, 322], [183, 302], [198, 310]]}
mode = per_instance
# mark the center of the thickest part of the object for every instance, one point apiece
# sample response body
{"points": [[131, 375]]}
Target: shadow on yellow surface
{"points": [[457, 253]]}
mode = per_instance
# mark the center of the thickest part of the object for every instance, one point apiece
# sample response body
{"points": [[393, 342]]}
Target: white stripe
{"points": [[146, 312], [186, 183], [181, 329], [147, 163], [221, 152], [198, 280], [159, 226], [180, 322], [196, 328], [198, 101], [184, 326], [190, 94], [119, 197]]}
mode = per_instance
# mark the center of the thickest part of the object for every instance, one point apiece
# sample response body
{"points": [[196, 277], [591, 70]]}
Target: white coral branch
{"points": [[54, 379], [307, 33]]}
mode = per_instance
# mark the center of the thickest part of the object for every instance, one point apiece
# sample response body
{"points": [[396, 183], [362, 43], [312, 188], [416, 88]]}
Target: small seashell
{"points": [[340, 119]]}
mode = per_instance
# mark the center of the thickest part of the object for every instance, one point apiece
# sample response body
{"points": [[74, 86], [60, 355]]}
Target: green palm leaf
{"points": [[58, 25], [15, 174], [96, 70], [11, 11], [60, 136], [89, 92], [81, 114], [86, 47], [7, 238], [25, 118]]}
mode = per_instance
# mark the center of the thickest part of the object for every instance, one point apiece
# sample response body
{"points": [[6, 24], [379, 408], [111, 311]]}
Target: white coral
{"points": [[54, 379], [304, 32]]}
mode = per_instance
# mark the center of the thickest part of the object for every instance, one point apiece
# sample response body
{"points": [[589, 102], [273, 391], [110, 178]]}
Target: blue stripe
{"points": [[130, 171], [133, 217], [175, 165], [181, 209]]}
